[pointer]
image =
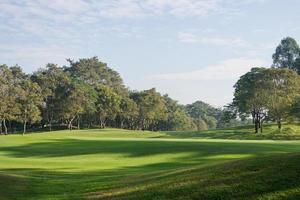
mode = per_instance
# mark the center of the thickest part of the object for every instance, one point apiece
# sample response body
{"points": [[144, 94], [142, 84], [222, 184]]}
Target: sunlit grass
{"points": [[121, 164]]}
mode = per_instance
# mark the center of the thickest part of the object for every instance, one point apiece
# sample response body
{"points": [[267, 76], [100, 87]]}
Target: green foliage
{"points": [[204, 115], [90, 94], [8, 107], [152, 108], [29, 99], [266, 92], [53, 81], [286, 53], [295, 108], [281, 87], [78, 99], [128, 114], [107, 104], [92, 71]]}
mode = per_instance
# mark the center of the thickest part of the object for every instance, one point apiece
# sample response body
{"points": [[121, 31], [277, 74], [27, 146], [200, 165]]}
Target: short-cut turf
{"points": [[120, 164]]}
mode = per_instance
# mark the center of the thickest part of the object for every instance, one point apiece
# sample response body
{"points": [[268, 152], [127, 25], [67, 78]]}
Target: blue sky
{"points": [[190, 49]]}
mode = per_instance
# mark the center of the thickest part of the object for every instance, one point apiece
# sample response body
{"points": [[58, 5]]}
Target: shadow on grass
{"points": [[176, 178], [272, 177], [138, 148], [269, 177]]}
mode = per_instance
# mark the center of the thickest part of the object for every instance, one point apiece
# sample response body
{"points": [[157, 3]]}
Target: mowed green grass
{"points": [[120, 164]]}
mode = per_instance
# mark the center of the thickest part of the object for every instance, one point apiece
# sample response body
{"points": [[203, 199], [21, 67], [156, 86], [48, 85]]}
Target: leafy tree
{"points": [[76, 99], [93, 72], [152, 108], [29, 100], [52, 80], [281, 87], [128, 113], [177, 118], [286, 53], [203, 114], [8, 107], [107, 104], [249, 98]]}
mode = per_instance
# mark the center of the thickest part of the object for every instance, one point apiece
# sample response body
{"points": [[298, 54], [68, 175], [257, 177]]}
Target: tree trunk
{"points": [[50, 125], [70, 125], [261, 127], [279, 124], [5, 127], [121, 123], [256, 126], [78, 123], [24, 127], [0, 126]]}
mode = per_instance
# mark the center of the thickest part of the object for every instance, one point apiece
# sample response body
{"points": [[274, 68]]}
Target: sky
{"points": [[190, 49]]}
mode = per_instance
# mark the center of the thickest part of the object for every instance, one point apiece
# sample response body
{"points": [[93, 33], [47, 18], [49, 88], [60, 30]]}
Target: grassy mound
{"points": [[272, 177]]}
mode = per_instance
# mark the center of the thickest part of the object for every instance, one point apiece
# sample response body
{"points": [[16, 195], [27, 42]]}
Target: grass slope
{"points": [[120, 164], [270, 132]]}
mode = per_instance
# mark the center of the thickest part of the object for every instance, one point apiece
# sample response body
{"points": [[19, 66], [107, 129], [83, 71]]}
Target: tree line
{"points": [[86, 94], [271, 94]]}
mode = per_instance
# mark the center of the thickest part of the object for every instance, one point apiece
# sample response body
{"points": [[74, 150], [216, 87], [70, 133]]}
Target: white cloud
{"points": [[212, 84], [35, 56], [226, 70], [186, 37], [78, 10], [183, 7]]}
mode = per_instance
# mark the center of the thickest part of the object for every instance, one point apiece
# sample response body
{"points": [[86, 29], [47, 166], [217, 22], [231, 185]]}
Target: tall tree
{"points": [[29, 99], [281, 87], [93, 72], [249, 98], [286, 53], [107, 104], [51, 80], [128, 113], [76, 99], [177, 117], [152, 108], [8, 108]]}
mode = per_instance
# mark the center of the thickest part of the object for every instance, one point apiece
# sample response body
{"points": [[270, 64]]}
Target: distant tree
{"points": [[8, 107], [177, 118], [93, 72], [203, 114], [107, 104], [75, 100], [286, 53], [228, 114], [152, 108], [52, 80], [29, 99], [128, 113]]}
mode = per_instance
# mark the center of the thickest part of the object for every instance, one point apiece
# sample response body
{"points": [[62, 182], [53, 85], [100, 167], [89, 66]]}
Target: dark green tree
{"points": [[286, 53], [52, 81], [249, 97]]}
